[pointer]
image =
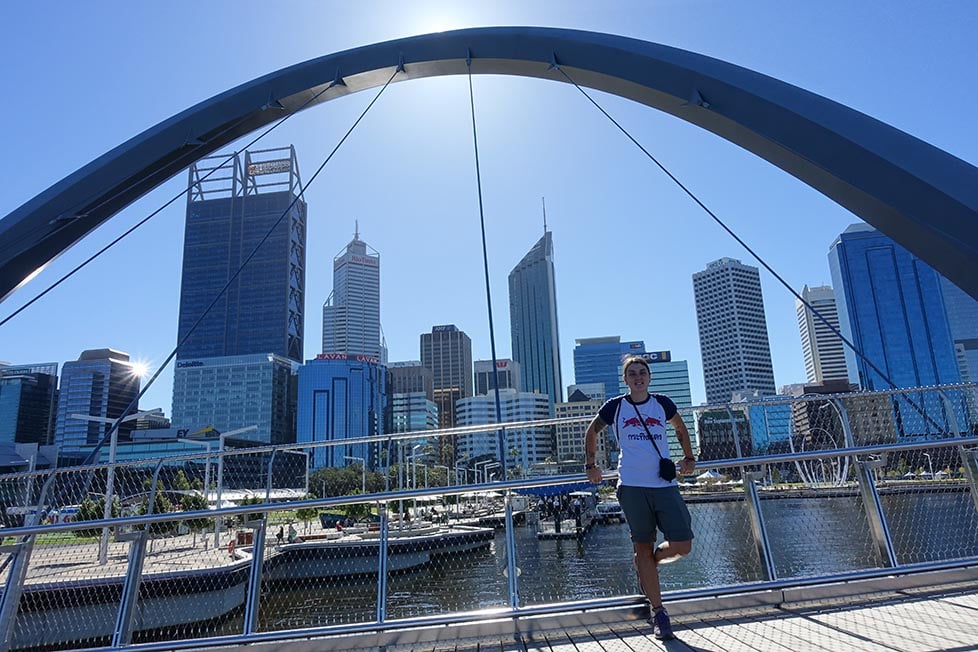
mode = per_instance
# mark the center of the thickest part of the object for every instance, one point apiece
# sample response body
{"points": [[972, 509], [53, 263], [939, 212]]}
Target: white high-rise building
{"points": [[524, 446], [825, 357], [733, 331], [351, 314]]}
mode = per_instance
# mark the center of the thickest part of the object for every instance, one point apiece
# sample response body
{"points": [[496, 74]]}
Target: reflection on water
{"points": [[807, 536]]}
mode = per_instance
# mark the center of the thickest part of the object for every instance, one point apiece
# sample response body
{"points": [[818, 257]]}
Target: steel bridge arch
{"points": [[919, 195]]}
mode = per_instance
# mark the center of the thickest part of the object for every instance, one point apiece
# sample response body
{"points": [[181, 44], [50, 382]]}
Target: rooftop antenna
{"points": [[356, 229], [543, 200]]}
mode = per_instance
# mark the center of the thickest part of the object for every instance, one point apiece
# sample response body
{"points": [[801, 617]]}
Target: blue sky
{"points": [[80, 78]]}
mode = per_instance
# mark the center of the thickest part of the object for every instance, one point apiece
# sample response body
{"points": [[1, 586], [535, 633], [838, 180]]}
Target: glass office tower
{"points": [[891, 307], [101, 383], [962, 318], [533, 321], [229, 213], [598, 360], [28, 397], [342, 397]]}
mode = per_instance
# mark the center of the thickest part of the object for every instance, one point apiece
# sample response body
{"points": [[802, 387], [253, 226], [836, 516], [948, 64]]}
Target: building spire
{"points": [[356, 229], [543, 200]]}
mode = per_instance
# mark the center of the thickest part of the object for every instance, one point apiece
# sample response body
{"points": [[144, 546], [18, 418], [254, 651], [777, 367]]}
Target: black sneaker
{"points": [[661, 625]]}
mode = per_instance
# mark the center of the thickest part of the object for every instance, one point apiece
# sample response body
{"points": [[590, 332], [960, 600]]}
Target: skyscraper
{"points": [[824, 352], [507, 371], [891, 307], [342, 397], [533, 320], [101, 383], [447, 352], [237, 391], [412, 397], [28, 398], [524, 446], [671, 378], [962, 317], [598, 360], [351, 314], [733, 331], [228, 215]]}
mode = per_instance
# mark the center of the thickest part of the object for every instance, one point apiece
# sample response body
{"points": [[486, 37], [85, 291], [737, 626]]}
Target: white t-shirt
{"points": [[638, 465]]}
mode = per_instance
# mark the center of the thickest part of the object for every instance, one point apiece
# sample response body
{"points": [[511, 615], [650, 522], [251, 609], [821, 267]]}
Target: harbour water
{"points": [[808, 537]]}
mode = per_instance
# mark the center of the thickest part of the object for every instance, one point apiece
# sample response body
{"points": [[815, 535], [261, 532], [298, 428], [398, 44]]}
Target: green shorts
{"points": [[650, 508]]}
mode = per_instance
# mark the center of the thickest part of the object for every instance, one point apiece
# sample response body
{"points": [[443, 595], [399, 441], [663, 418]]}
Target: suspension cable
{"points": [[156, 212], [726, 228], [302, 189], [485, 266]]}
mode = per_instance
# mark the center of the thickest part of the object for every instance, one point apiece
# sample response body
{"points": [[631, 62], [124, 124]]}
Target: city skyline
{"points": [[833, 52]]}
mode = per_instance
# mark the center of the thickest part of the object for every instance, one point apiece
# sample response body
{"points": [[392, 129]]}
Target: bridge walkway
{"points": [[895, 616]]}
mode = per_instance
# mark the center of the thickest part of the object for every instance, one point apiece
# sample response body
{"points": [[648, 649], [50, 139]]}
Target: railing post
{"points": [[511, 568], [10, 602], [382, 563], [758, 526], [252, 600], [122, 633], [969, 459], [874, 511]]}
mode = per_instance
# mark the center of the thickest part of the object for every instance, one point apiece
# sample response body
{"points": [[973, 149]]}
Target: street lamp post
{"points": [[103, 547], [363, 471], [219, 521], [448, 478], [930, 465]]}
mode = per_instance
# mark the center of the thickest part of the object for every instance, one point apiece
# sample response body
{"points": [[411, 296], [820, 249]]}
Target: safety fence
{"points": [[159, 568]]}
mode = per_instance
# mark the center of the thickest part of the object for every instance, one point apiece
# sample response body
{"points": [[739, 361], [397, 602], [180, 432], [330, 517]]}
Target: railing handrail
{"points": [[457, 490], [461, 430]]}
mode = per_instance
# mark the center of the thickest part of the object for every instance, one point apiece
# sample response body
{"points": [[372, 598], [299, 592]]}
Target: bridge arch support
{"points": [[921, 196]]}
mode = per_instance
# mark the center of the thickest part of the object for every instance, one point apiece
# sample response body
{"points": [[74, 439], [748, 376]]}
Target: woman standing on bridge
{"points": [[647, 488]]}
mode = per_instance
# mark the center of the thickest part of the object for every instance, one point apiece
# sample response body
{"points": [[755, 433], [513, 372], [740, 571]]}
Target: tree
{"points": [[180, 482], [306, 514], [161, 505], [196, 503], [90, 510], [253, 500]]}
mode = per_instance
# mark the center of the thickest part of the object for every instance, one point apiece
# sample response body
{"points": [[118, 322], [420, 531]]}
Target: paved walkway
{"points": [[927, 619]]}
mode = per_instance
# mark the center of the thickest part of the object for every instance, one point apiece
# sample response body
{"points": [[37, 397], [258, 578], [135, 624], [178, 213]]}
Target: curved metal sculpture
{"points": [[921, 196]]}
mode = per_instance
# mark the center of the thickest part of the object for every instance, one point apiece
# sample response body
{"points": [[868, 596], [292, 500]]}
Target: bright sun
{"points": [[140, 369]]}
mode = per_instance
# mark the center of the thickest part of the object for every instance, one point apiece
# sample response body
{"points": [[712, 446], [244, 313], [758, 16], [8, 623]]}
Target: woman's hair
{"points": [[634, 359]]}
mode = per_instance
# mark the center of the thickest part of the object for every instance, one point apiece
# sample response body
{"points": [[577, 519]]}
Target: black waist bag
{"points": [[667, 469]]}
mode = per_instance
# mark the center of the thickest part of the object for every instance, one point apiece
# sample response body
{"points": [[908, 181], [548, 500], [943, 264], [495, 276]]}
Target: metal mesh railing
{"points": [[181, 566]]}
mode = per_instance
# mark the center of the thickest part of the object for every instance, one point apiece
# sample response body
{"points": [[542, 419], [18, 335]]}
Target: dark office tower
{"points": [[447, 351], [533, 321], [412, 393], [28, 397], [101, 383], [228, 214], [411, 378], [733, 332]]}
